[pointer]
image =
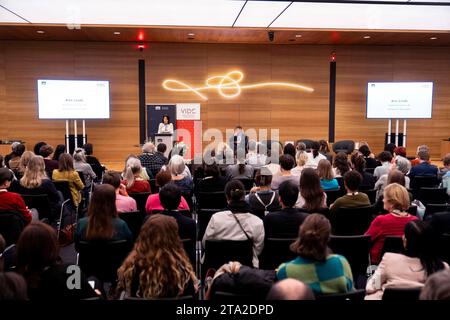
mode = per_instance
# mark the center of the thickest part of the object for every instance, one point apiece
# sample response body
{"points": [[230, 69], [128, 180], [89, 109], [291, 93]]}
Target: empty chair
{"points": [[393, 244], [433, 195], [356, 295], [433, 208], [102, 258], [141, 200], [332, 195], [355, 249], [219, 252], [351, 221], [401, 294], [346, 146], [275, 252], [372, 194], [211, 200], [134, 220], [11, 226], [41, 203]]}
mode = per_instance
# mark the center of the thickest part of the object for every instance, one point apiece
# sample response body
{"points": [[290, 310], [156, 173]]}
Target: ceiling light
{"points": [[40, 31], [366, 37], [298, 35], [116, 33], [433, 38], [190, 34]]}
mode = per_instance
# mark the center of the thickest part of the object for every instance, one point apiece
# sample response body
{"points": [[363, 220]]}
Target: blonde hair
{"points": [[397, 196], [301, 158], [24, 159], [176, 165], [34, 173], [133, 167]]}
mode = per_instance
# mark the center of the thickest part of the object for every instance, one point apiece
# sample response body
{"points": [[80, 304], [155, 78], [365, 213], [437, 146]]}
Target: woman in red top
{"points": [[133, 180], [396, 202]]}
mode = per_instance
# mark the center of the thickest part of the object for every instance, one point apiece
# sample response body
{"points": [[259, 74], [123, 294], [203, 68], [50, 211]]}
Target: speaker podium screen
{"points": [[399, 100], [73, 99]]}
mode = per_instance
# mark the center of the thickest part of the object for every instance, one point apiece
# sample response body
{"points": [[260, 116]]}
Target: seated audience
{"points": [[255, 156], [424, 168], [400, 153], [300, 147], [440, 222], [385, 158], [144, 175], [287, 162], [158, 266], [177, 167], [353, 198], [394, 176], [13, 287], [371, 162], [60, 149], [102, 222], [66, 172], [263, 200], [325, 150], [290, 289], [285, 223], [390, 147], [212, 181], [399, 167], [14, 161], [359, 165], [300, 159], [416, 161], [154, 202], [239, 170], [124, 203], [396, 202], [37, 147], [340, 164], [289, 149], [11, 201], [39, 263], [315, 265], [314, 156], [446, 176], [325, 173], [82, 167], [236, 223], [11, 154], [409, 270], [133, 180], [311, 197], [23, 163], [437, 286], [92, 160], [151, 160], [46, 152]]}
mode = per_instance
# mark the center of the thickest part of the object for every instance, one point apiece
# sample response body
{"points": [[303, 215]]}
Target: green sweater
{"points": [[351, 201]]}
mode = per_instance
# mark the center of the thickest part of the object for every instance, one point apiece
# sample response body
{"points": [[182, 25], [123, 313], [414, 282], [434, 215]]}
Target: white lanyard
{"points": [[265, 206]]}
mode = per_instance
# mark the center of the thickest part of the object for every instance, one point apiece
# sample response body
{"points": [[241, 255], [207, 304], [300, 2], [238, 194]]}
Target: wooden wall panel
{"points": [[296, 114]]}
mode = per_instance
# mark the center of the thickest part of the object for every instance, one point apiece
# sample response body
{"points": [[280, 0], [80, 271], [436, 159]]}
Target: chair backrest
{"points": [[81, 175], [372, 194], [248, 183], [153, 186], [422, 181], [276, 251], [102, 258], [444, 247], [401, 294], [352, 221], [134, 220], [189, 247], [9, 258], [355, 249], [433, 195], [11, 226], [64, 188], [332, 195], [41, 203], [346, 146], [369, 170], [203, 217], [211, 200], [433, 208], [141, 199], [392, 244], [356, 295], [219, 252], [229, 296]]}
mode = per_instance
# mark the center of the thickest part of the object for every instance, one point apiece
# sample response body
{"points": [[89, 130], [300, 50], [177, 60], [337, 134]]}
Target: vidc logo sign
{"points": [[188, 111]]}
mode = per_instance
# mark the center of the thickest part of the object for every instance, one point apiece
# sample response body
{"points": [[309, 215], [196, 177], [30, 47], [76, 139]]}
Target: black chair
{"points": [[372, 194], [189, 200], [211, 200], [444, 247], [81, 175], [64, 188], [340, 181], [276, 251], [219, 252], [422, 182], [412, 210], [203, 217], [141, 200], [9, 257], [153, 186], [433, 195], [355, 249], [11, 226], [248, 183], [433, 208], [346, 146], [41, 203], [393, 244], [189, 247], [356, 295], [185, 213], [401, 294], [351, 221], [332, 195], [101, 259], [134, 220]]}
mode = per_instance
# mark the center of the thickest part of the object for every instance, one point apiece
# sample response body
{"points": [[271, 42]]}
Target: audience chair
{"points": [[203, 217], [153, 186], [9, 257], [11, 226], [64, 188], [369, 170], [401, 294], [433, 195], [248, 184], [346, 146], [444, 247], [211, 200], [276, 251], [41, 203], [372, 194], [222, 296], [219, 252], [332, 195], [433, 208], [356, 295], [422, 181], [412, 210], [134, 220], [189, 247], [352, 221], [393, 244], [141, 200], [185, 213]]}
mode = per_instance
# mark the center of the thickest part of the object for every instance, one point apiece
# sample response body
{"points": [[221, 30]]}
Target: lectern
{"points": [[167, 139]]}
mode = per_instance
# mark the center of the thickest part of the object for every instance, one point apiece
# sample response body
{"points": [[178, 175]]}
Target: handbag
{"points": [[66, 235]]}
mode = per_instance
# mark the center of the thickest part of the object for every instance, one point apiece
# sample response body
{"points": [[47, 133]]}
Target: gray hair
{"points": [[79, 155], [133, 167], [148, 147], [176, 165], [403, 165]]}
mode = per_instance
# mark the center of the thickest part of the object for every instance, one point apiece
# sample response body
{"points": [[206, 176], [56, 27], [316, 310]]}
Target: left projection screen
{"points": [[73, 99]]}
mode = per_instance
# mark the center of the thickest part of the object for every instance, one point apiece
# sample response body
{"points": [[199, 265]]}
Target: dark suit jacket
{"points": [[423, 169], [283, 223]]}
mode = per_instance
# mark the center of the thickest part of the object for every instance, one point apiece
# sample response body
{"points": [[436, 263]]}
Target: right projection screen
{"points": [[399, 100]]}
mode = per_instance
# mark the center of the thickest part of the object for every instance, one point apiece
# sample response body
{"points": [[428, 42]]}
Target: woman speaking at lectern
{"points": [[165, 126]]}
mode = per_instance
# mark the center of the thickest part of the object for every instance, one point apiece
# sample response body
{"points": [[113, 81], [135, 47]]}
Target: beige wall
{"points": [[296, 114]]}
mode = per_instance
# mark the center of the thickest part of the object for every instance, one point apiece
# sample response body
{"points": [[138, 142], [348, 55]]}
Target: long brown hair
{"points": [[65, 163], [324, 170], [37, 249], [34, 173], [313, 236], [102, 209], [341, 163], [158, 261], [311, 190]]}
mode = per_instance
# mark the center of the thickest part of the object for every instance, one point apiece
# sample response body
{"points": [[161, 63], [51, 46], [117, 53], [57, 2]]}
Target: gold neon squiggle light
{"points": [[228, 85]]}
